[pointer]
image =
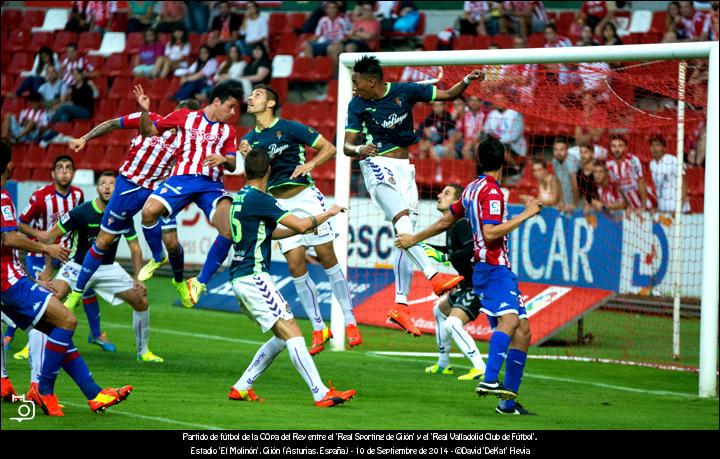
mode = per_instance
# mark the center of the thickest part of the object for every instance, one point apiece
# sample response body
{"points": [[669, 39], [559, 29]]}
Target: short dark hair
{"points": [[369, 65], [657, 138], [192, 104], [490, 155], [72, 45], [618, 137], [5, 155], [105, 173], [34, 97], [271, 95], [226, 90], [539, 160], [257, 163], [600, 163], [63, 158], [458, 190], [561, 139], [550, 25]]}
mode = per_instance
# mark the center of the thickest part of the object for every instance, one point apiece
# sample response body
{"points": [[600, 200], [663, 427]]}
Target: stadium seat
{"points": [[322, 69], [127, 106], [276, 23], [97, 62], [62, 39], [430, 43], [302, 67], [21, 61], [426, 172], [158, 87], [120, 138], [504, 41], [95, 153], [112, 42], [63, 127], [121, 88], [18, 40], [55, 19], [332, 91], [116, 65], [11, 18], [21, 174], [659, 24], [89, 40], [287, 44], [34, 18], [119, 21], [196, 41], [281, 86], [233, 182], [116, 155], [81, 127], [640, 21], [166, 106], [564, 22], [133, 42], [325, 171], [695, 178], [13, 105], [464, 42], [536, 40], [295, 21], [40, 39], [482, 42]]}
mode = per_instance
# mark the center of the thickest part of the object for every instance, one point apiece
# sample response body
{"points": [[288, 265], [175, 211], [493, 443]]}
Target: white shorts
{"points": [[108, 280], [396, 173], [261, 300], [307, 203]]}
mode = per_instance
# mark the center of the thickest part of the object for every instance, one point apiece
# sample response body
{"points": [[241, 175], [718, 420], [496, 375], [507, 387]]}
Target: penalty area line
{"points": [[151, 418]]}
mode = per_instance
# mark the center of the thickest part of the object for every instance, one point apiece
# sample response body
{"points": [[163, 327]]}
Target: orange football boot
{"points": [[109, 397], [400, 315], [335, 397], [49, 405], [442, 283], [244, 395], [7, 390], [352, 333], [319, 338]]}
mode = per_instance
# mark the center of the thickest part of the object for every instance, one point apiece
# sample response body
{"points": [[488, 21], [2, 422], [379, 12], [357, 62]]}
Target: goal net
{"points": [[599, 284]]}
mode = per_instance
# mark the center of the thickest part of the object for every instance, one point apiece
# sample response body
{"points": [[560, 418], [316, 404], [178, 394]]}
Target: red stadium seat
{"points": [[426, 171], [276, 23], [280, 85], [116, 155], [40, 39], [464, 42], [133, 42], [81, 127], [322, 68], [18, 40], [89, 40], [430, 43], [302, 67], [295, 21], [62, 39], [13, 105], [166, 106], [233, 182], [33, 18], [119, 21], [659, 24], [63, 127], [127, 106], [564, 22], [158, 87], [121, 88], [116, 65], [332, 91], [504, 41], [482, 42], [11, 18], [196, 41], [286, 44], [172, 88], [21, 174], [536, 40]]}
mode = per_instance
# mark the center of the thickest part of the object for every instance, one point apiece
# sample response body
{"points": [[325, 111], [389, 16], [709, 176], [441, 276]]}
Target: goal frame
{"points": [[707, 386]]}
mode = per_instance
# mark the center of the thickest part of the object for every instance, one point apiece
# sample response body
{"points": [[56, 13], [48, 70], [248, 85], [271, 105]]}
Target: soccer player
{"points": [[626, 172], [291, 184], [461, 305], [110, 280], [205, 143], [493, 281], [31, 306], [383, 113], [146, 166], [254, 217]]}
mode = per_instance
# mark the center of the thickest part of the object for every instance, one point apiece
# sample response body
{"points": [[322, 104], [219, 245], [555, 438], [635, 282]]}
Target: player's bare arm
{"points": [[98, 131], [17, 241], [147, 128], [405, 241], [494, 232], [28, 230], [351, 149], [326, 152], [460, 87], [297, 225], [229, 162]]}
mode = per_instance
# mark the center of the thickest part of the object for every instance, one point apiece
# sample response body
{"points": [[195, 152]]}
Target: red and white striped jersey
{"points": [[150, 159], [47, 206], [609, 194], [695, 26], [538, 9], [477, 10], [332, 30], [39, 116], [560, 42], [10, 269], [483, 203], [68, 66], [625, 173], [198, 138], [470, 124]]}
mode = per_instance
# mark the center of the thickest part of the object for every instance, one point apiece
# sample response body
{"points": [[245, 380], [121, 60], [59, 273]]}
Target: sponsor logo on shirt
{"points": [[274, 149], [394, 120], [202, 136], [495, 208], [7, 213]]}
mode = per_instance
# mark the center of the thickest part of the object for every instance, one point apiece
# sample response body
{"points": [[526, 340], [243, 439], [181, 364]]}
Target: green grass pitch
{"points": [[205, 352]]}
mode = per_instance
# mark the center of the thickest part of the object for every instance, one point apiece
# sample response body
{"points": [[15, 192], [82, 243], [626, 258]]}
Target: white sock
{"points": [[262, 360], [304, 365], [464, 341], [442, 337], [416, 253], [403, 270], [307, 291], [36, 353], [141, 325], [341, 291]]}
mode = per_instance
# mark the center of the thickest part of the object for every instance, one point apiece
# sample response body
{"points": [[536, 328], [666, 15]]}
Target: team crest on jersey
{"points": [[110, 220], [398, 101], [163, 190], [65, 218], [278, 134], [391, 180]]}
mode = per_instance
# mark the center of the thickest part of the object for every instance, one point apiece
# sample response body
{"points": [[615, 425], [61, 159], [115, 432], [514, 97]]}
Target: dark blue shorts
{"points": [[180, 190], [127, 200], [497, 288], [25, 303]]}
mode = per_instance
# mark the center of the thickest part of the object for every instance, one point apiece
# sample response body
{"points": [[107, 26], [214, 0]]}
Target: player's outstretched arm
{"points": [[460, 87], [493, 232], [100, 130], [352, 150], [405, 241], [296, 225], [17, 241], [326, 152], [147, 128], [28, 230]]}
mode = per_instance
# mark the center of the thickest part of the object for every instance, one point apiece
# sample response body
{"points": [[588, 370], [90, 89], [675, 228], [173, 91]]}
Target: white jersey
{"points": [[664, 174]]}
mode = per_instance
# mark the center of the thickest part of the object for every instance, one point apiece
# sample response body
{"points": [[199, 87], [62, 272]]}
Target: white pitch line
{"points": [[152, 418], [188, 334]]}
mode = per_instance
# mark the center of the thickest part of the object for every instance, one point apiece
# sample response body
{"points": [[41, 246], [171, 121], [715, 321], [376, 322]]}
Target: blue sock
{"points": [[10, 332], [514, 367], [153, 237], [218, 253], [91, 262], [57, 345], [499, 343], [177, 263], [92, 311], [77, 369]]}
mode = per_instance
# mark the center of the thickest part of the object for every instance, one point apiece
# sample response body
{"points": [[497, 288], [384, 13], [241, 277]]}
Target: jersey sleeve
{"points": [[7, 220], [636, 167], [31, 211], [132, 121], [174, 120], [229, 148], [269, 207], [305, 134], [352, 121], [457, 209], [492, 207], [70, 221], [422, 92]]}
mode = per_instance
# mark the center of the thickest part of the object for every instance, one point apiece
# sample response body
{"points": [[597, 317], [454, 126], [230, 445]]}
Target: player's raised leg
{"points": [[152, 211]]}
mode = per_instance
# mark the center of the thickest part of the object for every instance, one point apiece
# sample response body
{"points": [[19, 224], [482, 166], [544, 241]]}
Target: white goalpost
{"points": [[708, 360]]}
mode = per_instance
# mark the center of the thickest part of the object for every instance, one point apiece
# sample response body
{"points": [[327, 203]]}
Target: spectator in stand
{"points": [[516, 80], [468, 127], [587, 189], [553, 40], [526, 17], [626, 172], [713, 21], [79, 102], [227, 24], [53, 89], [399, 16], [586, 37], [90, 15], [217, 48], [197, 80], [588, 136], [609, 197], [693, 24], [508, 126], [597, 14], [177, 52], [473, 19], [672, 22], [27, 126], [141, 16], [663, 168], [74, 61], [254, 29], [314, 18], [609, 35], [151, 59], [172, 16], [332, 28], [364, 33], [258, 71], [198, 17], [548, 185], [436, 130], [43, 59], [232, 68], [565, 168]]}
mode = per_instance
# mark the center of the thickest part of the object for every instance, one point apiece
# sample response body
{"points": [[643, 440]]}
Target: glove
{"points": [[435, 254]]}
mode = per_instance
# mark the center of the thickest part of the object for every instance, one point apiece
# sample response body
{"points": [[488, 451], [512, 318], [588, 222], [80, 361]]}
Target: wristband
{"points": [[357, 149], [467, 80]]}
